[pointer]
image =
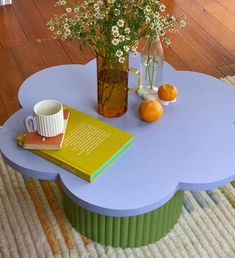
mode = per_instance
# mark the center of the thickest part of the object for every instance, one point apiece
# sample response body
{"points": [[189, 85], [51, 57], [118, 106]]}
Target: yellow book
{"points": [[89, 147]]}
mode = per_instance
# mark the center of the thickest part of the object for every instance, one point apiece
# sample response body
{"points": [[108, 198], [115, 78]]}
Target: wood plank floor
{"points": [[26, 45]]}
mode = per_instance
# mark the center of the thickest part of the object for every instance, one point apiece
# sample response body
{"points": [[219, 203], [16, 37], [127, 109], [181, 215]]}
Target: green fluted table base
{"points": [[125, 231]]}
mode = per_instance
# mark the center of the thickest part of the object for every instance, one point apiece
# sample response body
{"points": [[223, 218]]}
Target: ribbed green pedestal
{"points": [[125, 231]]}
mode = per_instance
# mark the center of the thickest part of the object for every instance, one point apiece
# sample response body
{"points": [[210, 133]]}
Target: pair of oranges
{"points": [[150, 110]]}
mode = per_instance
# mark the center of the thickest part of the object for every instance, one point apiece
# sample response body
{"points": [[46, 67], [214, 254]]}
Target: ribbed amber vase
{"points": [[112, 79]]}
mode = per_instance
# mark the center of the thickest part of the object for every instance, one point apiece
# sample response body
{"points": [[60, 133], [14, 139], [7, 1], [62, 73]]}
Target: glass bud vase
{"points": [[112, 79], [151, 68]]}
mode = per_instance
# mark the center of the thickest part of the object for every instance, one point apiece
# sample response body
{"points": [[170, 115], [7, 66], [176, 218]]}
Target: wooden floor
{"points": [[26, 45]]}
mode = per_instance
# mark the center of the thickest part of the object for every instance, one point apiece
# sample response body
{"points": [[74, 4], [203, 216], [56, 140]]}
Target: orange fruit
{"points": [[167, 92], [150, 110]]}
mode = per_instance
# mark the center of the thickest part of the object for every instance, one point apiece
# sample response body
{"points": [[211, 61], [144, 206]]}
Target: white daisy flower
{"points": [[68, 10], [167, 41], [121, 23], [116, 12], [126, 48], [67, 32], [135, 53], [122, 38], [134, 49], [119, 53], [182, 24], [162, 8], [115, 34], [115, 42], [114, 28], [66, 25], [148, 8], [121, 60], [61, 2], [127, 30]]}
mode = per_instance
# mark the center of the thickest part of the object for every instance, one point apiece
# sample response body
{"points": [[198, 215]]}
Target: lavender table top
{"points": [[192, 147]]}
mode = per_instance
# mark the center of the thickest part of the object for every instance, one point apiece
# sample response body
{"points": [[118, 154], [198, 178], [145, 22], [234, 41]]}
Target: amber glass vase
{"points": [[112, 79]]}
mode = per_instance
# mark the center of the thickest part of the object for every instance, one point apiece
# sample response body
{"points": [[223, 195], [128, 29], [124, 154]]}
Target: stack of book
{"points": [[32, 140], [86, 147]]}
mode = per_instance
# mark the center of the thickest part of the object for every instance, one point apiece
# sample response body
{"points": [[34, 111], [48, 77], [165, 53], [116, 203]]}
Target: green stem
{"points": [[106, 71], [149, 73]]}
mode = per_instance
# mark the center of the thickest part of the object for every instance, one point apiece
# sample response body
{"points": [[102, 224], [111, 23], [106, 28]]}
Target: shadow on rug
{"points": [[33, 224]]}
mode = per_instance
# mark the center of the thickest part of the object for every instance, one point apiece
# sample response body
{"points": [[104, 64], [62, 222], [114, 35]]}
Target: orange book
{"points": [[34, 141]]}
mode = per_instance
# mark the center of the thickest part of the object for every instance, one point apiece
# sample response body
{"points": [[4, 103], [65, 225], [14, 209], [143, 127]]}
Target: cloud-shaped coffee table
{"points": [[138, 199]]}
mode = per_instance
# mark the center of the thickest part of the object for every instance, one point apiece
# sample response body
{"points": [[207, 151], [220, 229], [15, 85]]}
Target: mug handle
{"points": [[137, 72], [27, 123]]}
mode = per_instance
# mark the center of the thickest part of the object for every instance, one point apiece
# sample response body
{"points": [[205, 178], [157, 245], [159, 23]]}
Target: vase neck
{"points": [[152, 47]]}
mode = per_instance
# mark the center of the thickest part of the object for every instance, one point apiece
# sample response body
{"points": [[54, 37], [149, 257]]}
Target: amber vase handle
{"points": [[137, 72]]}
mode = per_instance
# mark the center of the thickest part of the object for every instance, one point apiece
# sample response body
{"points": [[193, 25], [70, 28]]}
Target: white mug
{"points": [[47, 119]]}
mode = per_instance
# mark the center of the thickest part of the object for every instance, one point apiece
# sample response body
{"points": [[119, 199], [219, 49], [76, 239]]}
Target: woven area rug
{"points": [[33, 224]]}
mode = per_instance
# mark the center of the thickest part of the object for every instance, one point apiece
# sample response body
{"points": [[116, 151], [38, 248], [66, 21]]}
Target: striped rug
{"points": [[33, 223]]}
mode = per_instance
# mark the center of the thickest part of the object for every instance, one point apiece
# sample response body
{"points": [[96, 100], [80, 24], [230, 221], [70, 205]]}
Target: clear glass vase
{"points": [[151, 68], [112, 79]]}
